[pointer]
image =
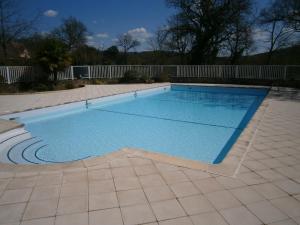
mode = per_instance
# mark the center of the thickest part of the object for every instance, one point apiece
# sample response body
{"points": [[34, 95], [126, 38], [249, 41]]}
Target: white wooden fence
{"points": [[14, 74]]}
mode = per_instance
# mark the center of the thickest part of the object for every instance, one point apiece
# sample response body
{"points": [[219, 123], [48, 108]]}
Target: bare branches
{"points": [[127, 42], [158, 41], [275, 21], [12, 25]]}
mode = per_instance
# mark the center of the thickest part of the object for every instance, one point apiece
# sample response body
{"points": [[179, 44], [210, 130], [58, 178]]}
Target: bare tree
{"points": [[127, 42], [72, 32], [178, 39], [238, 43], [240, 31], [158, 41], [158, 45], [12, 25], [280, 32]]}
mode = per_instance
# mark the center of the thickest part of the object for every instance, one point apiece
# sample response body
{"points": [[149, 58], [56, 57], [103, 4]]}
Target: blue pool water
{"points": [[192, 122]]}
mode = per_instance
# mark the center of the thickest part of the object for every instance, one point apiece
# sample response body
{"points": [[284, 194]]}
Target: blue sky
{"points": [[105, 19]]}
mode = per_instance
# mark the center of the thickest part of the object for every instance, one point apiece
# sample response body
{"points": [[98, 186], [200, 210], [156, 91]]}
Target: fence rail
{"points": [[14, 74]]}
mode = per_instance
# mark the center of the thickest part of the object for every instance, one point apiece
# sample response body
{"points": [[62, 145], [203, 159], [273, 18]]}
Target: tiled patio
{"points": [[123, 188]]}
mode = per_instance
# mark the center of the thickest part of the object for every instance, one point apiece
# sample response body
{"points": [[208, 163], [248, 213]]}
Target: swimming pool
{"points": [[192, 122]]}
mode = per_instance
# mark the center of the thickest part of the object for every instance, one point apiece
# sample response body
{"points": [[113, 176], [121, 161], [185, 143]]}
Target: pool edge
{"points": [[227, 167]]}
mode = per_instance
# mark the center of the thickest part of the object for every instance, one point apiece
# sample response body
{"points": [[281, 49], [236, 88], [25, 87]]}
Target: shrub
{"points": [[1, 79], [42, 87], [144, 78], [69, 85], [131, 76], [8, 88], [25, 86], [113, 81], [97, 81], [163, 77]]}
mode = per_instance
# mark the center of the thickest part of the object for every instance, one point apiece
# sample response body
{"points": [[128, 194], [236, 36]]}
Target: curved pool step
{"points": [[15, 144], [10, 142], [20, 147], [11, 135], [16, 153], [29, 153]]}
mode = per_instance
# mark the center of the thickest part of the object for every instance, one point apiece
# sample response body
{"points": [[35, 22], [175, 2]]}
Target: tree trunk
{"points": [[273, 40], [4, 49]]}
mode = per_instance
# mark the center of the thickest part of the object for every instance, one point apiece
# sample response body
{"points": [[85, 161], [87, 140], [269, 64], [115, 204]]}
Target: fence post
{"points": [[72, 73], [220, 71], [8, 75], [285, 71], [236, 71], [177, 71], [110, 74], [150, 72], [259, 74], [89, 72]]}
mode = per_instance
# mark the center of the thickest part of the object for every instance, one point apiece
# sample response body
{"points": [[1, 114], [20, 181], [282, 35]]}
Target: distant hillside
{"points": [[290, 55]]}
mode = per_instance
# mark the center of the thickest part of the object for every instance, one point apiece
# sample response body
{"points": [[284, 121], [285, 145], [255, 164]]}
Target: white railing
{"points": [[14, 74]]}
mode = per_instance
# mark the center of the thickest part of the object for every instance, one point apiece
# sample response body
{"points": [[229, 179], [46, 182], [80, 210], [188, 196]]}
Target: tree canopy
{"points": [[72, 32], [210, 23], [53, 57]]}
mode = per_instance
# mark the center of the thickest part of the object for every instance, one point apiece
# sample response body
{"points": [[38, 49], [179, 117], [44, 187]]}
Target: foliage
{"points": [[131, 76], [2, 80], [98, 81], [178, 39], [162, 77], [111, 55], [38, 86], [34, 86], [42, 87], [207, 22], [86, 55], [69, 85], [8, 88], [72, 32], [53, 57]]}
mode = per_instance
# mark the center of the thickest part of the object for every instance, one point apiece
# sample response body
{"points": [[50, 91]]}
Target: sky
{"points": [[106, 19]]}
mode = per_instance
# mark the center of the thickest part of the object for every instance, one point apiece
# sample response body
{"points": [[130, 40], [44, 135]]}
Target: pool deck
{"points": [[257, 183], [6, 125]]}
